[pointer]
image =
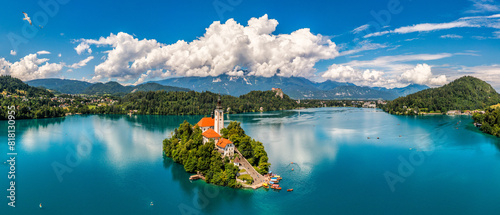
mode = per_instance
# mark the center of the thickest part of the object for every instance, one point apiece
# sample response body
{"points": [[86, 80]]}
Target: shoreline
{"points": [[111, 114]]}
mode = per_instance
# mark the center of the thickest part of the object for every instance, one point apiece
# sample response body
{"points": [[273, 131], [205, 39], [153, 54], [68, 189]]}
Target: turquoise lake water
{"points": [[114, 165]]}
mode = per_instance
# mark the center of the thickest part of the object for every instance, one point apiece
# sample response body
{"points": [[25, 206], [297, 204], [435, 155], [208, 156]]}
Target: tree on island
{"points": [[490, 121], [251, 149], [186, 147]]}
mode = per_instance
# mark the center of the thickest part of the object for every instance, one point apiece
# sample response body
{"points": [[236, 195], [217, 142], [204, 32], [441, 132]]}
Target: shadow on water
{"points": [[40, 123], [209, 198]]}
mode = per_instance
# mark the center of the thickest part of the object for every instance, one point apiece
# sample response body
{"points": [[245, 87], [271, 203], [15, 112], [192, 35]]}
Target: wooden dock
{"points": [[196, 177]]}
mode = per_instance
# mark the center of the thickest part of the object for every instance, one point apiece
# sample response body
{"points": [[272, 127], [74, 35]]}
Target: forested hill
{"points": [[465, 93], [30, 102], [61, 85], [14, 86], [195, 103]]}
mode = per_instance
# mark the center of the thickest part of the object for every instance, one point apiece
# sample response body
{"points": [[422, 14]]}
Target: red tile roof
{"points": [[206, 122], [223, 142], [210, 133]]}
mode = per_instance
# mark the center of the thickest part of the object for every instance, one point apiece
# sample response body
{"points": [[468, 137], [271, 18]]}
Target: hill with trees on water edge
{"points": [[465, 93]]}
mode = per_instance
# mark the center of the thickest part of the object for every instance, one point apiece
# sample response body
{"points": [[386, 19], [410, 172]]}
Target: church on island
{"points": [[211, 126]]}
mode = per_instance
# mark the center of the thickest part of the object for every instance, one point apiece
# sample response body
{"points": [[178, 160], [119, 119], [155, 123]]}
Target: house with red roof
{"points": [[206, 123], [210, 134], [236, 161], [226, 147]]}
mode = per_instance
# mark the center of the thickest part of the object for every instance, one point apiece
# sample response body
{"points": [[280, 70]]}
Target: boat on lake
{"points": [[276, 187]]}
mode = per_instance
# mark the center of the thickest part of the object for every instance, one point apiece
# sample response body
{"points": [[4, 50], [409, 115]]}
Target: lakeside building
{"points": [[211, 127]]}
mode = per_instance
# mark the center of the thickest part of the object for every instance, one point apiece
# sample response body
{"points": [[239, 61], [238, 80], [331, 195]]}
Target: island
{"points": [[219, 155]]}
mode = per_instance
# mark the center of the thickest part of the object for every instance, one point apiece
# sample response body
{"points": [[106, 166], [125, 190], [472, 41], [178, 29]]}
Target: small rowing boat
{"points": [[289, 190]]}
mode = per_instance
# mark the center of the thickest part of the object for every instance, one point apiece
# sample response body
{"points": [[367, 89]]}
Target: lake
{"points": [[345, 161]]}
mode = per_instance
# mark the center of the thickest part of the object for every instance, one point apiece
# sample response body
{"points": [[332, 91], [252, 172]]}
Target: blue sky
{"points": [[389, 43]]}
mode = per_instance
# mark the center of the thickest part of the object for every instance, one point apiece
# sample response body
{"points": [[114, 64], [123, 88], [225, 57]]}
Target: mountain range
{"points": [[82, 87], [295, 87]]}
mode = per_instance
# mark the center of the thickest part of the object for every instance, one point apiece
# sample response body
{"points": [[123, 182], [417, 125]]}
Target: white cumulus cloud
{"points": [[13, 53], [29, 67], [343, 73], [82, 47], [422, 74], [225, 48]]}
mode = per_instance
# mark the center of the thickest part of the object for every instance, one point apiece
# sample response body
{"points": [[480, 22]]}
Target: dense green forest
{"points": [[16, 93], [31, 108], [186, 147], [466, 93], [115, 88], [490, 121], [251, 149], [195, 103], [14, 86]]}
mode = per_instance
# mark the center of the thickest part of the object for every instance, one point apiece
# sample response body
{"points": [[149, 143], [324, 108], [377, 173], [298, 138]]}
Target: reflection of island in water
{"points": [[39, 123], [208, 196]]}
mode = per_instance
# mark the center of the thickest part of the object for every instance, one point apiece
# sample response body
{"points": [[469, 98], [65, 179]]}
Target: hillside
{"points": [[156, 87], [81, 87], [489, 121], [61, 85], [404, 91], [195, 103], [14, 86], [30, 102], [465, 93]]}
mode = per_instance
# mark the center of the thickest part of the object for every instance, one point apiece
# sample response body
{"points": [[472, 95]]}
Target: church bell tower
{"points": [[219, 117]]}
